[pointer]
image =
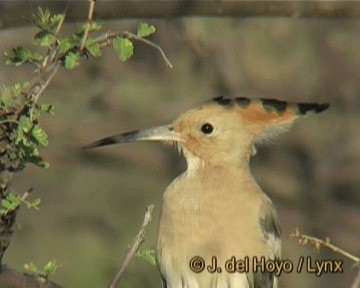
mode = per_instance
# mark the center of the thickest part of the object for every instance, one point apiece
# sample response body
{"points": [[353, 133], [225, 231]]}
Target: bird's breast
{"points": [[209, 216]]}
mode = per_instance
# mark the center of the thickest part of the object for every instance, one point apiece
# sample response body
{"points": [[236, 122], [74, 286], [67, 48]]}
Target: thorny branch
{"points": [[138, 240]]}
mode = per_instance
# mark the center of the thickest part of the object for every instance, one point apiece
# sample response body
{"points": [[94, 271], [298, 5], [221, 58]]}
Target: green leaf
{"points": [[38, 161], [17, 88], [19, 137], [5, 203], [40, 135], [41, 19], [72, 60], [44, 165], [94, 49], [35, 113], [55, 19], [45, 21], [35, 152], [12, 155], [50, 268], [145, 30], [64, 45], [21, 55], [148, 255], [124, 48], [31, 268], [44, 38], [25, 124], [47, 108], [10, 203], [36, 202], [25, 141], [93, 26], [13, 205], [77, 38], [12, 197]]}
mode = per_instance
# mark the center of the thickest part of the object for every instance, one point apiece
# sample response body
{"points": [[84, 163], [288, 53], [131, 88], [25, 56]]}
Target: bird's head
{"points": [[222, 131]]}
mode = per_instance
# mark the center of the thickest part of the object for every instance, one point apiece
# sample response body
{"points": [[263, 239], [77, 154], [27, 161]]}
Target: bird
{"points": [[215, 219]]}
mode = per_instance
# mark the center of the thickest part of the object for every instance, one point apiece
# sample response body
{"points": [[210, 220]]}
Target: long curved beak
{"points": [[161, 133]]}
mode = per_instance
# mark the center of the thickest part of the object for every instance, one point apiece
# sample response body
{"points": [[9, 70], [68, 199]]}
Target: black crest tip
{"points": [[317, 108]]}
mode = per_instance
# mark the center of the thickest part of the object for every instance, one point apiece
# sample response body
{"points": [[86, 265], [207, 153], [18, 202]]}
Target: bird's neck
{"points": [[197, 165]]}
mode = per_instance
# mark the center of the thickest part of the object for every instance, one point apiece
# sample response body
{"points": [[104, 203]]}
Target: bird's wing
{"points": [[270, 229]]}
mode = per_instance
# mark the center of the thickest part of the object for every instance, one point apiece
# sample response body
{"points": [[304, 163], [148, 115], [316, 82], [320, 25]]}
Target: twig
{"points": [[151, 44], [24, 197], [317, 243], [51, 48], [90, 16], [104, 41], [8, 121], [105, 38], [41, 86], [138, 240], [26, 194], [58, 28]]}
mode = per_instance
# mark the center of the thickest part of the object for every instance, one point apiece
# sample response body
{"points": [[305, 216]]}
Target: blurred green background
{"points": [[94, 202]]}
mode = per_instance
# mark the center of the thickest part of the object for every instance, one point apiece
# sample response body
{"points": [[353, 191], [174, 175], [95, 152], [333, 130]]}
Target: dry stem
{"points": [[138, 240], [317, 243]]}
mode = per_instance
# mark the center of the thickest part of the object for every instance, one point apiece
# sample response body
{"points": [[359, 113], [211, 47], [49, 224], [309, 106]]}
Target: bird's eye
{"points": [[207, 128]]}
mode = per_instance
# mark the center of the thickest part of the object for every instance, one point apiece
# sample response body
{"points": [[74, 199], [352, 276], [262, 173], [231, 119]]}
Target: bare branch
{"points": [[138, 240]]}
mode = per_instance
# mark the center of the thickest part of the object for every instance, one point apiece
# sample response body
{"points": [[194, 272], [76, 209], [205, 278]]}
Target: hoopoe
{"points": [[215, 214]]}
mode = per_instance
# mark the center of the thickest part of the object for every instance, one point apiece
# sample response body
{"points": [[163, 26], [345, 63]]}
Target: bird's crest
{"points": [[266, 117]]}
